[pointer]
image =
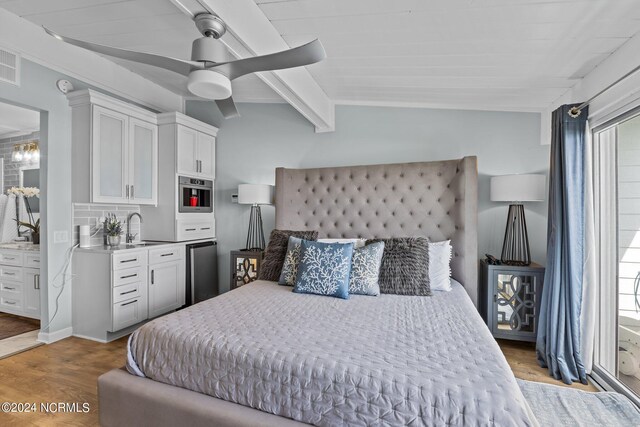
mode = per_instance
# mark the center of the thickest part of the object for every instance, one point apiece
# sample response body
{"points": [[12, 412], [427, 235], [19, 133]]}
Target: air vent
{"points": [[9, 67]]}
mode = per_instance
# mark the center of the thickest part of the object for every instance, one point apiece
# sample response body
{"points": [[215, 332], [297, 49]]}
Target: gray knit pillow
{"points": [[405, 266], [271, 266]]}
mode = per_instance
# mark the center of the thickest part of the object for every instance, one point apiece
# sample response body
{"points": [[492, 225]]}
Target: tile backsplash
{"points": [[88, 214]]}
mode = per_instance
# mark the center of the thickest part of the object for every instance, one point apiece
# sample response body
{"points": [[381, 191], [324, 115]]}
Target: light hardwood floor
{"points": [[67, 371]]}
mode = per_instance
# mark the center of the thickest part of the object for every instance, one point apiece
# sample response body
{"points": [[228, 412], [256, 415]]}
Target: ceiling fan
{"points": [[209, 75]]}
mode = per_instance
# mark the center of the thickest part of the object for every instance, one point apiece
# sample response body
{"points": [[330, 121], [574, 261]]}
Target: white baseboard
{"points": [[50, 337], [86, 337]]}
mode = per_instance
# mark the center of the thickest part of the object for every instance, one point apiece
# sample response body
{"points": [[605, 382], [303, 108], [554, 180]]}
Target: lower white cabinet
{"points": [[20, 283], [112, 292], [31, 292], [164, 295]]}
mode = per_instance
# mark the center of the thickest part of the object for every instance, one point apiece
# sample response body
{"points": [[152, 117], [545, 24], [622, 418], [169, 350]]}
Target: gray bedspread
{"points": [[386, 360]]}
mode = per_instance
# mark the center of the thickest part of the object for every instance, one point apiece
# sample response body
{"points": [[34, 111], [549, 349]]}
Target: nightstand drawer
{"points": [[512, 295]]}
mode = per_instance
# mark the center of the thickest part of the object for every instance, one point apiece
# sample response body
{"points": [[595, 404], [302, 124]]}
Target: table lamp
{"points": [[255, 195], [517, 189]]}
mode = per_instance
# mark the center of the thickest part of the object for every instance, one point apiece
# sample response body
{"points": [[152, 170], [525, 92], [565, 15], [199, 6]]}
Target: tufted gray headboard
{"points": [[438, 200]]}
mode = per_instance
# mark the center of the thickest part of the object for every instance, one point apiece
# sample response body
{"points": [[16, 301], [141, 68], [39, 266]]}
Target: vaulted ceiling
{"points": [[486, 54]]}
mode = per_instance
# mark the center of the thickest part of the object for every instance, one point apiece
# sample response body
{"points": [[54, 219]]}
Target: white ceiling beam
{"points": [[250, 33]]}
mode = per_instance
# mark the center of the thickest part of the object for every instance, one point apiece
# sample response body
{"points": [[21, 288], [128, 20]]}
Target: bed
{"points": [[262, 355]]}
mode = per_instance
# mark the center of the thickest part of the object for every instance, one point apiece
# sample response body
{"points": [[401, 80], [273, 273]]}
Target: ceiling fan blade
{"points": [[306, 54], [227, 108], [172, 64]]}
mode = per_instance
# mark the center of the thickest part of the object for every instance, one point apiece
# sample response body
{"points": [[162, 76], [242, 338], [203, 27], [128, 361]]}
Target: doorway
{"points": [[19, 229]]}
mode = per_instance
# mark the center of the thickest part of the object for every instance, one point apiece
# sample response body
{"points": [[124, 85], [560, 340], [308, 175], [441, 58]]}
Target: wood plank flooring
{"points": [[522, 359], [67, 371]]}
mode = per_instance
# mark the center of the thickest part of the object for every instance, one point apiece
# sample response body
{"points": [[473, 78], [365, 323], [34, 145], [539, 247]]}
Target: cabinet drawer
{"points": [[10, 302], [195, 230], [129, 275], [11, 288], [127, 313], [11, 273], [11, 258], [32, 260], [129, 259], [127, 292], [171, 253]]}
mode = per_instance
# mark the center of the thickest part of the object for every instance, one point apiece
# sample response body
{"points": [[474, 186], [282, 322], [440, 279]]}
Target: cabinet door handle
{"points": [[130, 275], [153, 276], [205, 228], [36, 281], [128, 292], [128, 260], [127, 303], [189, 229], [127, 191], [132, 193], [35, 260], [9, 258], [10, 302], [9, 288], [9, 274], [169, 254]]}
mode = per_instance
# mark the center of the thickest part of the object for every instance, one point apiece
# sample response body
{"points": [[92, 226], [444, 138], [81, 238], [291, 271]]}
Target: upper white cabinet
{"points": [[115, 150], [143, 162], [195, 145]]}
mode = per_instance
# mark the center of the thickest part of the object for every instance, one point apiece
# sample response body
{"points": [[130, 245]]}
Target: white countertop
{"points": [[125, 247], [20, 246]]}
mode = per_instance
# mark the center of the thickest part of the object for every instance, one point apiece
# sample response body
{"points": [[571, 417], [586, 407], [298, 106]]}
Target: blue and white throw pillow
{"points": [[324, 269], [365, 269], [291, 261]]}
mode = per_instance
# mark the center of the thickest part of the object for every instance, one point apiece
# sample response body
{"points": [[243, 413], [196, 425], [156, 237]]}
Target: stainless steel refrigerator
{"points": [[202, 272]]}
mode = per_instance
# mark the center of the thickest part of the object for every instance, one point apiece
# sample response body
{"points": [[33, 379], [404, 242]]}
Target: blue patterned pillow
{"points": [[291, 261], [324, 269], [365, 269]]}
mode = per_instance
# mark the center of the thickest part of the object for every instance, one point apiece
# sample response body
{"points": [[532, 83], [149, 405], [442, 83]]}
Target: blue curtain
{"points": [[558, 340]]}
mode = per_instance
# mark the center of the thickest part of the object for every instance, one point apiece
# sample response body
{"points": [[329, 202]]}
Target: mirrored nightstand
{"points": [[512, 296], [245, 266]]}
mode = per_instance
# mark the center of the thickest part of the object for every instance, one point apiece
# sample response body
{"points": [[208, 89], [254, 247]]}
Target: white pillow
{"points": [[440, 265], [357, 243]]}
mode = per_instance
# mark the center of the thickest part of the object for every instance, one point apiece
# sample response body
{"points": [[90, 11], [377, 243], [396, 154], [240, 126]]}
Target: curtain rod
{"points": [[575, 111]]}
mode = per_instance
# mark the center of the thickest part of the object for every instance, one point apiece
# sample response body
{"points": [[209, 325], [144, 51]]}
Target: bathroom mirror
{"points": [[30, 177]]}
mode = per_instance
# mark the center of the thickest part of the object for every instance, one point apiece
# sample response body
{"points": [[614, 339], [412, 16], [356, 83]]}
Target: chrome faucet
{"points": [[129, 237]]}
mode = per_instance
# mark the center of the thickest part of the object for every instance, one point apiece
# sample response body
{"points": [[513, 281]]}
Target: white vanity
{"points": [[20, 279]]}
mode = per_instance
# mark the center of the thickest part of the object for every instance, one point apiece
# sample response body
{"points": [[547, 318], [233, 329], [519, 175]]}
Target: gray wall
{"points": [[267, 136], [38, 91], [11, 168]]}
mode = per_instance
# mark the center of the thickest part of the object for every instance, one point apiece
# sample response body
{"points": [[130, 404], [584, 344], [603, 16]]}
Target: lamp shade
{"points": [[518, 188], [255, 194]]}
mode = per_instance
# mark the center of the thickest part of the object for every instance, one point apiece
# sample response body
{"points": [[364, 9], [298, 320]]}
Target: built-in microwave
{"points": [[195, 195]]}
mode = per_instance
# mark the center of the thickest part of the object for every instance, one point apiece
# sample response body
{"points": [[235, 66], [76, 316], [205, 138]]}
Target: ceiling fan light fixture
{"points": [[209, 84]]}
